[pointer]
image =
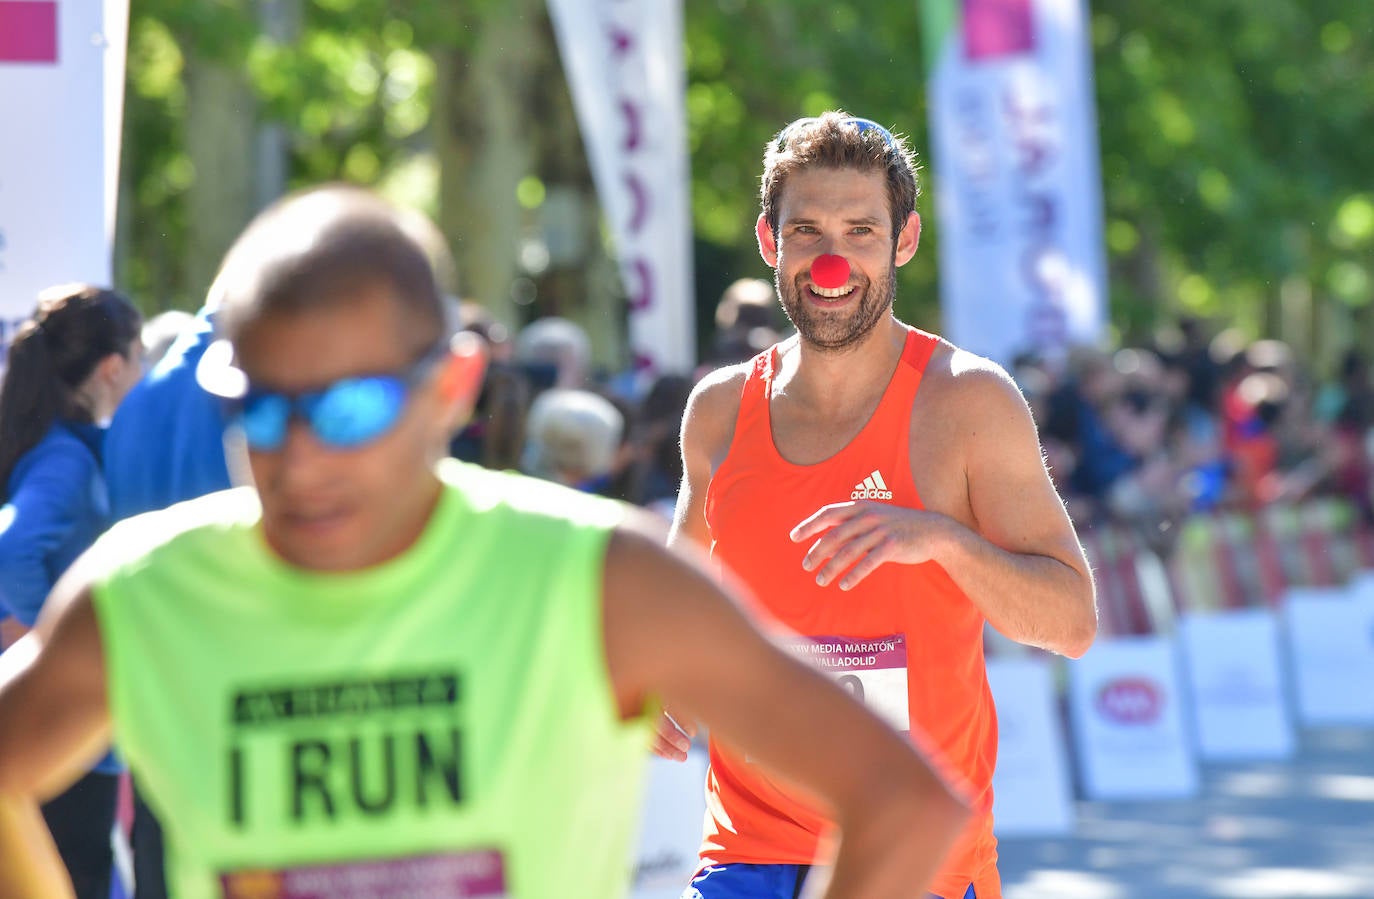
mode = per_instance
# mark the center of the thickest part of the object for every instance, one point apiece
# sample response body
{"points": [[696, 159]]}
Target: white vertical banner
{"points": [[625, 68], [1331, 640], [1129, 723], [61, 109], [1031, 788], [670, 827], [1236, 678], [1018, 192]]}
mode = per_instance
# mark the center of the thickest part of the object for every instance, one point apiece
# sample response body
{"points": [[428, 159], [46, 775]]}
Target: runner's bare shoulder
{"points": [[961, 386], [708, 425]]}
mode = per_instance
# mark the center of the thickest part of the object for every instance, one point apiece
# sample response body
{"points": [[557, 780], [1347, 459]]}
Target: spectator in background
{"points": [[495, 436], [166, 442], [654, 471], [1076, 413], [554, 352], [747, 322], [1194, 444], [1196, 357], [1138, 415], [70, 365], [573, 437], [1252, 398], [1350, 425]]}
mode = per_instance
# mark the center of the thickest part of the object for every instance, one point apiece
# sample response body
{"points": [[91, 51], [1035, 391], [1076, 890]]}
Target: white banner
{"points": [[1014, 135], [1331, 638], [1236, 681], [1128, 721], [624, 65], [1032, 795], [61, 105], [670, 828]]}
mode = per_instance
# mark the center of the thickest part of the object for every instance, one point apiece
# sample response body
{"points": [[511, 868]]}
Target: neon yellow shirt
{"points": [[442, 724]]}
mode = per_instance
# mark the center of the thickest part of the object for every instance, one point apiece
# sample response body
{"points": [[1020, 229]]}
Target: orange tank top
{"points": [[900, 617]]}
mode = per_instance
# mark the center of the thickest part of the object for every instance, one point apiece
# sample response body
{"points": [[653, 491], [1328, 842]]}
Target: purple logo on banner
{"points": [[1131, 701], [28, 31], [997, 28]]}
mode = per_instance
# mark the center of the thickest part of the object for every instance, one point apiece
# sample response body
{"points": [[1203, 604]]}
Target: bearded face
{"points": [[841, 212], [842, 324]]}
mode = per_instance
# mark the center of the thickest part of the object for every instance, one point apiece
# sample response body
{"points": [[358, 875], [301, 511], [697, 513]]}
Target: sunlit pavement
{"points": [[1263, 830]]}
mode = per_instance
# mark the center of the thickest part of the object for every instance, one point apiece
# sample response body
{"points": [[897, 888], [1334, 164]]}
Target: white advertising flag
{"points": [[1331, 639], [624, 65], [1032, 795], [1129, 722], [1236, 677], [1018, 193], [670, 827], [61, 105]]}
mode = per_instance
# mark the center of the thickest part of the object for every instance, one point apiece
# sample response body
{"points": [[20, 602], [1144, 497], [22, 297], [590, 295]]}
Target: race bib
{"points": [[872, 668], [465, 875]]}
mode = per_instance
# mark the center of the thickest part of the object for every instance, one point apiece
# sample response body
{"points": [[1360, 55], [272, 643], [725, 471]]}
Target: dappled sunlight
{"points": [[1291, 883], [1255, 784], [1350, 787], [1065, 885], [1259, 830]]}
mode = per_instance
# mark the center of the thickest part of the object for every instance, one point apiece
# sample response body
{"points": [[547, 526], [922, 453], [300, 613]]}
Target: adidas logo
{"points": [[871, 487]]}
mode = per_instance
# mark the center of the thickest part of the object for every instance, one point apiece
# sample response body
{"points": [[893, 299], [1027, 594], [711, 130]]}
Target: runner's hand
{"points": [[671, 739], [856, 537]]}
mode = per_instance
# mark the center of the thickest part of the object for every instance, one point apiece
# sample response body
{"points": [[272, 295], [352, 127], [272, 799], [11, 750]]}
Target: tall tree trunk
{"points": [[221, 138], [280, 21], [485, 145]]}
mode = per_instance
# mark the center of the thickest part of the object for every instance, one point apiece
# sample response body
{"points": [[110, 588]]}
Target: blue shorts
{"points": [[741, 881]]}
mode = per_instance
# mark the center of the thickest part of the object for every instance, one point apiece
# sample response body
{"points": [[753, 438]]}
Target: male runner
{"points": [[376, 674], [882, 492]]}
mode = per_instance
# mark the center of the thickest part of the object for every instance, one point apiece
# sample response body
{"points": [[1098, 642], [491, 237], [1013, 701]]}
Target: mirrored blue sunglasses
{"points": [[345, 414], [864, 126]]}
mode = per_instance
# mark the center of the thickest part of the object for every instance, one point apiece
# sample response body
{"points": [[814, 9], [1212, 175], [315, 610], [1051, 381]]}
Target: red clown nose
{"points": [[830, 271]]}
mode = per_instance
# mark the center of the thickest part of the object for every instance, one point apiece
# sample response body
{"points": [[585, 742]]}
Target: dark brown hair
{"points": [[315, 248], [74, 327], [834, 140]]}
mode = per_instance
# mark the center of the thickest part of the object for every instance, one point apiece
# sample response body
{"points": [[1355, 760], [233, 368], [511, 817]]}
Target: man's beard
{"points": [[838, 329]]}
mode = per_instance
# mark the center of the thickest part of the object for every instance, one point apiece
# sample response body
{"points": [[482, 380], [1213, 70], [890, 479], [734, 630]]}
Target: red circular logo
{"points": [[1131, 700]]}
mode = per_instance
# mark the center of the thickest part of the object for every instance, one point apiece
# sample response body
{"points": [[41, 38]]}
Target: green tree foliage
{"points": [[1233, 135], [1233, 160]]}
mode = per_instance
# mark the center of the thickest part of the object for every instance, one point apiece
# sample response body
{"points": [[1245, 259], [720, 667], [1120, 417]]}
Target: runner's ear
{"points": [[908, 239], [460, 380], [768, 243]]}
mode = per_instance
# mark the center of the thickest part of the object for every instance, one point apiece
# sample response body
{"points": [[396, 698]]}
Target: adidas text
{"points": [[871, 487]]}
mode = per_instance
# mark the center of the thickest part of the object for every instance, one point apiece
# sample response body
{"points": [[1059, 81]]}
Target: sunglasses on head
{"points": [[345, 414], [863, 125]]}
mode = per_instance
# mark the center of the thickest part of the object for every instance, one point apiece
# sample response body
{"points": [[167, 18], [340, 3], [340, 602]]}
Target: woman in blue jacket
{"points": [[68, 368]]}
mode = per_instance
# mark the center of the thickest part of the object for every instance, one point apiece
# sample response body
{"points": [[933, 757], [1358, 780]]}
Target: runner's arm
{"points": [[708, 425], [54, 724], [673, 633], [1022, 565]]}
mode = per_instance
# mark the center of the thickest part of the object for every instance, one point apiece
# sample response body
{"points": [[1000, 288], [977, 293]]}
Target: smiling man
{"points": [[882, 493], [379, 674]]}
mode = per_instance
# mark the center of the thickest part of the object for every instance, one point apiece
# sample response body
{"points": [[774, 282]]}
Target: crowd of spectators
{"points": [[1198, 423]]}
